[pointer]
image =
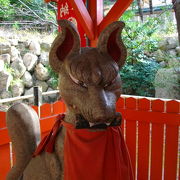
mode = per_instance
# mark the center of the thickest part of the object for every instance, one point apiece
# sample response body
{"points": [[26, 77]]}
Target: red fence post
{"points": [[143, 141], [157, 143], [171, 143], [147, 119], [5, 162], [131, 133]]}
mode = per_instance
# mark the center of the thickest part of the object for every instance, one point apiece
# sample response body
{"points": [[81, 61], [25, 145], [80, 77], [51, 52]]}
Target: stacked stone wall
{"points": [[24, 64]]}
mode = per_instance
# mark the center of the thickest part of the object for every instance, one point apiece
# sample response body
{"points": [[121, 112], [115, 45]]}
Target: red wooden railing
{"points": [[151, 131]]}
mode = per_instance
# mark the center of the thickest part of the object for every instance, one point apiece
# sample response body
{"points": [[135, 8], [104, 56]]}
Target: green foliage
{"points": [[108, 2], [138, 36], [9, 69], [27, 10], [138, 79], [139, 72], [5, 11], [16, 81], [169, 27], [4, 3], [54, 77], [15, 25]]}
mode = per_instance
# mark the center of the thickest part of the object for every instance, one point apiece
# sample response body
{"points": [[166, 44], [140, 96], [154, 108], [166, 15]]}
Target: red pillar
{"points": [[89, 20], [95, 8], [66, 11]]}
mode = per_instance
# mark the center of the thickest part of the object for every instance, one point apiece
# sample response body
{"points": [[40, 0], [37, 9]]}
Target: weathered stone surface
{"points": [[5, 94], [18, 59], [172, 52], [167, 83], [24, 42], [29, 92], [17, 88], [50, 98], [15, 54], [5, 80], [178, 50], [1, 65], [23, 50], [44, 58], [30, 60], [41, 72], [45, 46], [21, 39], [27, 43], [5, 58], [163, 64], [43, 85], [172, 43], [35, 47], [27, 79], [51, 83], [19, 68], [159, 55], [162, 45], [12, 36], [13, 42], [5, 47], [174, 62]]}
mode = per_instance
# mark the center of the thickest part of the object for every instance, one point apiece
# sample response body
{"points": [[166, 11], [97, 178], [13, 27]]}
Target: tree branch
{"points": [[36, 15]]}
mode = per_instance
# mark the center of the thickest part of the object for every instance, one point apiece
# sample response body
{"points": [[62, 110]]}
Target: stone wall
{"points": [[24, 64], [167, 79]]}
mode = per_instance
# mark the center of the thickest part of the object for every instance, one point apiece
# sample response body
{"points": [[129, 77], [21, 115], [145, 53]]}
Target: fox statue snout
{"points": [[90, 75]]}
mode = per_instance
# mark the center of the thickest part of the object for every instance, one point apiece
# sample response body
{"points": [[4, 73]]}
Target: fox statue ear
{"points": [[110, 42], [67, 42]]}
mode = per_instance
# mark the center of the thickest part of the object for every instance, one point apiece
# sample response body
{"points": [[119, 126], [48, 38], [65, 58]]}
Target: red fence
{"points": [[151, 131]]}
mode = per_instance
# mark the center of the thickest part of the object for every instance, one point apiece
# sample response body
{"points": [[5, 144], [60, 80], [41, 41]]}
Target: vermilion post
{"points": [[83, 17], [95, 9], [91, 17], [66, 11]]}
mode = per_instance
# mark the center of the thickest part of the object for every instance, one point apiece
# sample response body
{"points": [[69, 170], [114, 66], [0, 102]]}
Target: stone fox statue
{"points": [[86, 143]]}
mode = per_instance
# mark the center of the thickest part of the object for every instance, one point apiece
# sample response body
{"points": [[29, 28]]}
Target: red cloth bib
{"points": [[100, 155]]}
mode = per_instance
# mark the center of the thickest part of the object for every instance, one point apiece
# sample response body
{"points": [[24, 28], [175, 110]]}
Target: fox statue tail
{"points": [[24, 131]]}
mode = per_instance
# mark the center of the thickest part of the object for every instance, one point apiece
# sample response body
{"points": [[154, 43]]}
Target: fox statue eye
{"points": [[110, 83], [81, 83]]}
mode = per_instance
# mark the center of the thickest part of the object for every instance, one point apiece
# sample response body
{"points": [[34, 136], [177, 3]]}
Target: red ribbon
{"points": [[47, 144]]}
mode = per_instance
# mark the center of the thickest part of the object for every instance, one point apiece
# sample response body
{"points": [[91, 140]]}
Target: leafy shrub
{"points": [[5, 10], [139, 72], [54, 77], [138, 79]]}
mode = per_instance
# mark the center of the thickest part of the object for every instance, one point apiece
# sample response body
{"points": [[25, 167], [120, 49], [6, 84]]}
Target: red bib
{"points": [[100, 155]]}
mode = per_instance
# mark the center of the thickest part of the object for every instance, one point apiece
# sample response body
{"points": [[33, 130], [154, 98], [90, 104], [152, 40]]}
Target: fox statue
{"points": [[86, 143]]}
